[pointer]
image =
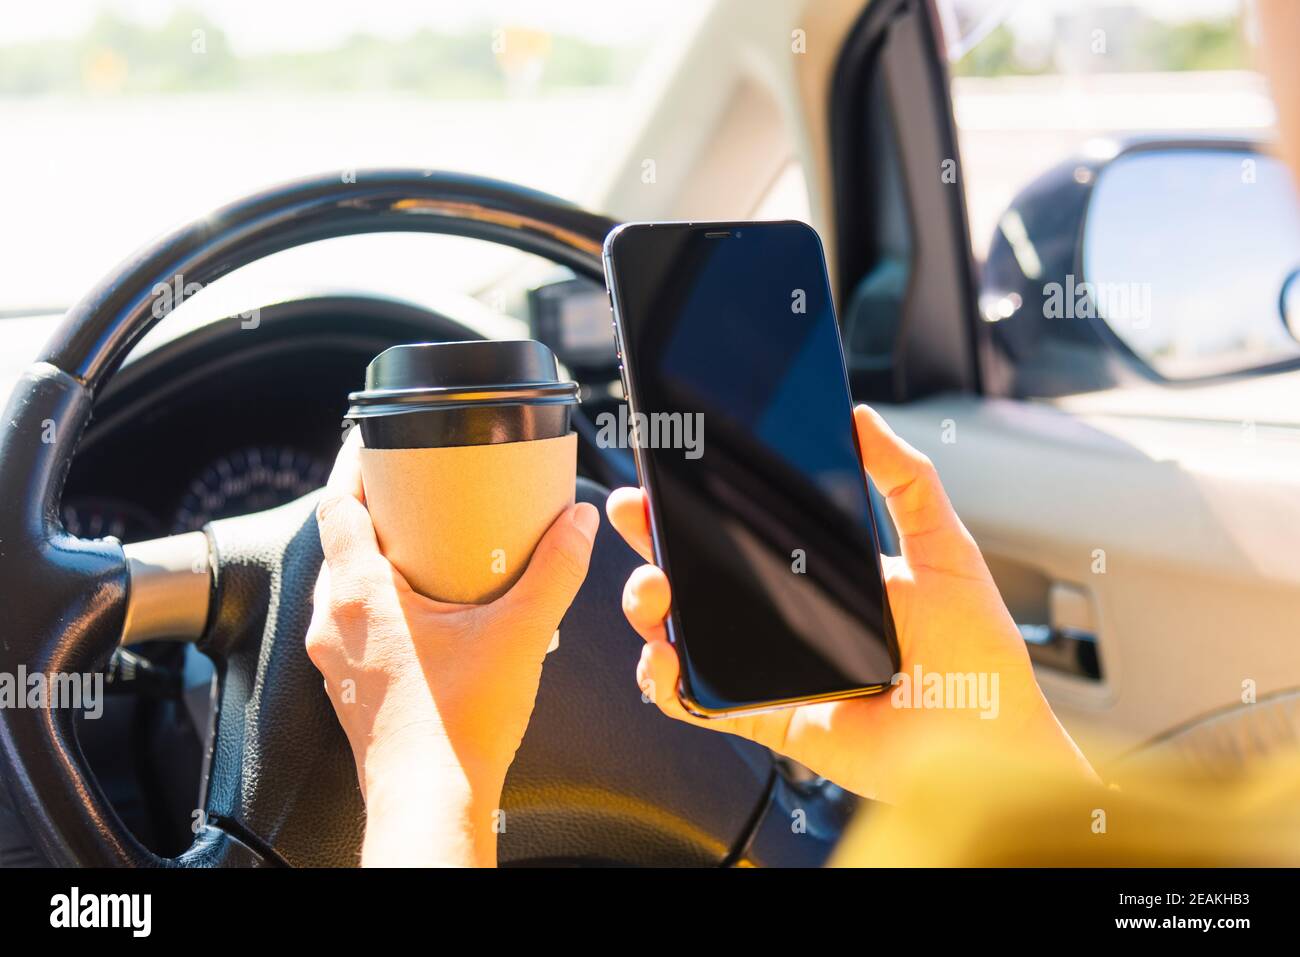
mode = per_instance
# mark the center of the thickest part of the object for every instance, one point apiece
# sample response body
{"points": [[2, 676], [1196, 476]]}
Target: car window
{"points": [[1120, 195], [1056, 75], [123, 118], [787, 197]]}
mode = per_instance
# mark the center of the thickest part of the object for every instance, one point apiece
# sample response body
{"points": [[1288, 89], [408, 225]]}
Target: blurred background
{"points": [[121, 118]]}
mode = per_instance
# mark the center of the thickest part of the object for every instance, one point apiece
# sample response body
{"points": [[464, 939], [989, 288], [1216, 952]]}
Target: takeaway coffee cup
{"points": [[468, 459]]}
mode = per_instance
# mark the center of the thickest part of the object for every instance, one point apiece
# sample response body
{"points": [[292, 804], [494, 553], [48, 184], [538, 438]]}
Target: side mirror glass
{"points": [[1188, 254], [1289, 303]]}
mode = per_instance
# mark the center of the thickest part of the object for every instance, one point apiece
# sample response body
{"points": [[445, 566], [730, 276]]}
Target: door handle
{"points": [[1067, 641]]}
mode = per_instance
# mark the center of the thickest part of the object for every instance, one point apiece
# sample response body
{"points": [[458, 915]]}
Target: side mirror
{"points": [[1289, 303], [1188, 251], [1176, 255]]}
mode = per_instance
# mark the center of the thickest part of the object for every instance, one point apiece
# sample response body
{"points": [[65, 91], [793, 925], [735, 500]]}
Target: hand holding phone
{"points": [[950, 619], [743, 438]]}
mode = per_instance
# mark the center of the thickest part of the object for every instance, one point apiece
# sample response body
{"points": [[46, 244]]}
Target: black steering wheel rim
{"points": [[70, 594], [105, 324]]}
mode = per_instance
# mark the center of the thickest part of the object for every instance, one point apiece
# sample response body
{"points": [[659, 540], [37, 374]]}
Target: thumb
{"points": [[556, 571], [929, 531]]}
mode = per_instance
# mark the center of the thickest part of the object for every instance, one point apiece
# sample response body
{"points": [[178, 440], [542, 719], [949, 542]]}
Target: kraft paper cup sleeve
{"points": [[461, 523]]}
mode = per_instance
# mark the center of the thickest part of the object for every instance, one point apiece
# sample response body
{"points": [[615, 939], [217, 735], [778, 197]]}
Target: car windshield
{"points": [[123, 118]]}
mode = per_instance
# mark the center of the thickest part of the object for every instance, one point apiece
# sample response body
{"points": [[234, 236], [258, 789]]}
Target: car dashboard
{"points": [[229, 420], [218, 421]]}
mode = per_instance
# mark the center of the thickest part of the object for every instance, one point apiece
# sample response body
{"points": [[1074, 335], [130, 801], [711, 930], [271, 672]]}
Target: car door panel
{"points": [[1181, 534]]}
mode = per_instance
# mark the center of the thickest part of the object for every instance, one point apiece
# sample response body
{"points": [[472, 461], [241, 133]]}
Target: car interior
{"points": [[1138, 515]]}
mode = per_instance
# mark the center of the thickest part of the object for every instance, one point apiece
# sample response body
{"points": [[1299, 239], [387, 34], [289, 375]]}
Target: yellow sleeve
{"points": [[966, 809]]}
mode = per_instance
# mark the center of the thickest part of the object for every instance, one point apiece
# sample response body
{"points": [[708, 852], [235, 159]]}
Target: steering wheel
{"points": [[601, 777]]}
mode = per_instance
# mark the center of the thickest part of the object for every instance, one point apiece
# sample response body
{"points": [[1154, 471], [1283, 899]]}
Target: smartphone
{"points": [[742, 422]]}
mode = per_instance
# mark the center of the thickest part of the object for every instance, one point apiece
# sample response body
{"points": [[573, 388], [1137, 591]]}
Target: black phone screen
{"points": [[744, 426]]}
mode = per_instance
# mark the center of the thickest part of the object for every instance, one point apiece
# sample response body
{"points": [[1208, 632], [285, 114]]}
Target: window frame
{"points": [[890, 94]]}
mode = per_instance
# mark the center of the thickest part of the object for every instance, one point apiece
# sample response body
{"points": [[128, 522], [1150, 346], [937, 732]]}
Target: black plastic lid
{"points": [[444, 375]]}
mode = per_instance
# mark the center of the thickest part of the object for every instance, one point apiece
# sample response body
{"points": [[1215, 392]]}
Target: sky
{"points": [[263, 25]]}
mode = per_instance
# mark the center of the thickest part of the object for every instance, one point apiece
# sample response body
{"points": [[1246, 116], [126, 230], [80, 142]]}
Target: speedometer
{"points": [[248, 480], [88, 516]]}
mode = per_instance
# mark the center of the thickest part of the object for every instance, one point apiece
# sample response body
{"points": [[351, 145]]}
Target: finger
{"points": [[347, 535], [656, 675], [556, 571], [319, 605], [345, 477], [917, 503], [626, 508], [646, 599]]}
